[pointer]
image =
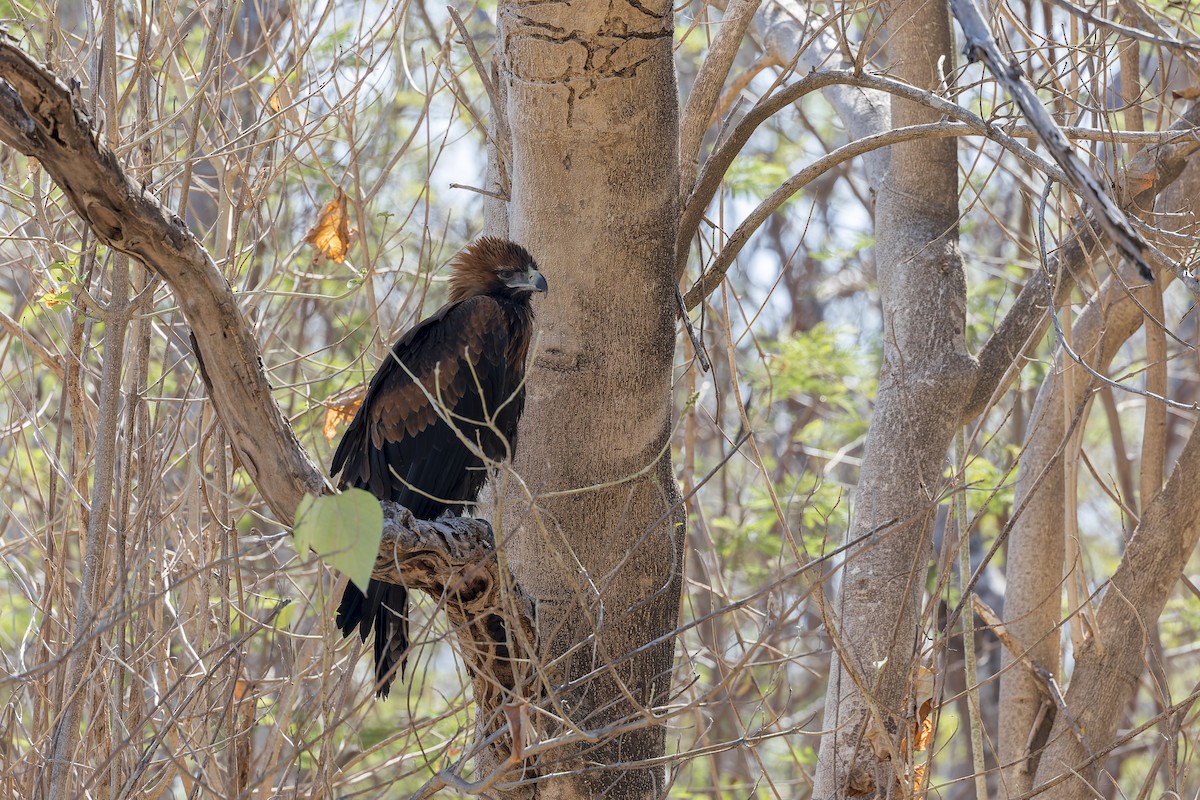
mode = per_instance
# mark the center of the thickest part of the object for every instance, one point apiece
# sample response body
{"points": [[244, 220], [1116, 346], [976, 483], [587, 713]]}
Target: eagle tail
{"points": [[384, 608]]}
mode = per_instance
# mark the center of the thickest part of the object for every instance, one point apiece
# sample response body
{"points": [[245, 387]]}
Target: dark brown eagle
{"points": [[444, 404]]}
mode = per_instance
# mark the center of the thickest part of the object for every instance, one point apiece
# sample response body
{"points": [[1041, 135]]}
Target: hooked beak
{"points": [[528, 281]]}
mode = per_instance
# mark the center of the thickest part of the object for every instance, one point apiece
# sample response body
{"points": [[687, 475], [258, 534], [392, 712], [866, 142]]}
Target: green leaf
{"points": [[344, 529], [57, 301]]}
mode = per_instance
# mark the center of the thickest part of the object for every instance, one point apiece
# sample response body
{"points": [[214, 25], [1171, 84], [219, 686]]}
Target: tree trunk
{"points": [[1110, 662], [593, 116], [924, 383], [1034, 567]]}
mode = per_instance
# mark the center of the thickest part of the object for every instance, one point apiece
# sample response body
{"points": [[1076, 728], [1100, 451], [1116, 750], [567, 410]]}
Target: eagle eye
{"points": [[505, 274]]}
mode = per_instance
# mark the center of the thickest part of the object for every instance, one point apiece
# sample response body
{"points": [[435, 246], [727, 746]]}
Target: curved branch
{"points": [[40, 118], [706, 90], [712, 277], [722, 156], [718, 163], [454, 560], [1139, 183]]}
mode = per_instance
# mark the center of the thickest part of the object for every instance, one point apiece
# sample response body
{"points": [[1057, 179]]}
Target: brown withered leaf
{"points": [[1189, 93], [920, 737], [918, 778], [331, 234], [923, 735], [879, 740], [859, 782], [517, 716], [340, 409], [924, 732], [924, 684]]}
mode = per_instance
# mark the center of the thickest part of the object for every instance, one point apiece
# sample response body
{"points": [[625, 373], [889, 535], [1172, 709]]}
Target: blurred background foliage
{"points": [[220, 673]]}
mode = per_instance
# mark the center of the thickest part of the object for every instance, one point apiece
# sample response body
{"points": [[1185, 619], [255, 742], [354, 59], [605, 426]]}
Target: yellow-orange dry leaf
{"points": [[921, 742], [281, 100], [340, 409], [280, 96], [924, 732], [918, 779], [921, 737], [331, 234]]}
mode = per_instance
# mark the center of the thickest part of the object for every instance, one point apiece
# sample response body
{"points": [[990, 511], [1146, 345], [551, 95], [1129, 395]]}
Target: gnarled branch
{"points": [[454, 560]]}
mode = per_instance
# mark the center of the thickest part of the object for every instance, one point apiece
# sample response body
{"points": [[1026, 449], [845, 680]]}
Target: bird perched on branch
{"points": [[443, 406]]}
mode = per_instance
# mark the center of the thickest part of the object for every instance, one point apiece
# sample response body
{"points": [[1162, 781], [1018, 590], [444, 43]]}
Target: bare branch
{"points": [[48, 359], [706, 90], [719, 161], [454, 560], [1150, 171], [981, 46], [712, 278], [1188, 52], [1105, 674], [39, 118], [497, 132], [1011, 643]]}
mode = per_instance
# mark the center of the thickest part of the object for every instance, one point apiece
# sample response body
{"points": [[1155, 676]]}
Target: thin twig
{"points": [[484, 192], [697, 344], [51, 361]]}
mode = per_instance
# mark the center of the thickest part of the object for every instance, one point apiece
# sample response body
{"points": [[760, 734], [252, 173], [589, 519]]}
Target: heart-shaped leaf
{"points": [[344, 529]]}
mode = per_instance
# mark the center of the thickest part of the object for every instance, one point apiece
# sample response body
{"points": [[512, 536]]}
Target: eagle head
{"points": [[494, 266]]}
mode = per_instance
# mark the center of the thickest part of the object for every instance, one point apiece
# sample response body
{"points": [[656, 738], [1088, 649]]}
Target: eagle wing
{"points": [[440, 385]]}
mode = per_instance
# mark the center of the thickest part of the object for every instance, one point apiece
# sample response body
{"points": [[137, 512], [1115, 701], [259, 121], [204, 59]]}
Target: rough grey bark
{"points": [[593, 120], [926, 378]]}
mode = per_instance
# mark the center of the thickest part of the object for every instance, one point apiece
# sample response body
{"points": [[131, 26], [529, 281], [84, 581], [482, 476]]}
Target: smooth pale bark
{"points": [[593, 117], [1104, 676], [1034, 567], [1109, 664], [926, 379]]}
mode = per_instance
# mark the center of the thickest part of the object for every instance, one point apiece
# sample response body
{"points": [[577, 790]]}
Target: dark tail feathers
{"points": [[385, 609]]}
